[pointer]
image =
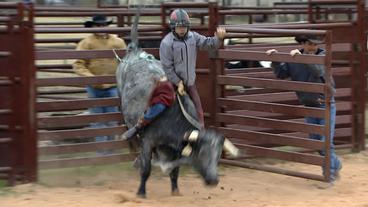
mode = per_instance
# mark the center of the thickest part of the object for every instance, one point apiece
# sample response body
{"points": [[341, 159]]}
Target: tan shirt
{"points": [[98, 66]]}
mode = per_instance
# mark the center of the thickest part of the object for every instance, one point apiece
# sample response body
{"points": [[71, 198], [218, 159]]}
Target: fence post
{"points": [[213, 17], [361, 47], [28, 98], [328, 94]]}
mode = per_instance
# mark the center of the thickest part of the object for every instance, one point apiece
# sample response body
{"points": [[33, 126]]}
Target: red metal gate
{"points": [[18, 154]]}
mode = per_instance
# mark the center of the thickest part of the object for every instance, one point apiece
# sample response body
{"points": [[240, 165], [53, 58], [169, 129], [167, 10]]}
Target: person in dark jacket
{"points": [[163, 96], [178, 54], [314, 73]]}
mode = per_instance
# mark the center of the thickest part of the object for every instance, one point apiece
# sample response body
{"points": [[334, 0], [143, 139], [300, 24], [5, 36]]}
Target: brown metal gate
{"points": [[265, 119], [18, 154], [244, 117], [265, 122]]}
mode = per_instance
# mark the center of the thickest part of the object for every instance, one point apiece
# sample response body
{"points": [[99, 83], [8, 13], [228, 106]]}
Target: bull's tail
{"points": [[133, 45], [134, 33]]}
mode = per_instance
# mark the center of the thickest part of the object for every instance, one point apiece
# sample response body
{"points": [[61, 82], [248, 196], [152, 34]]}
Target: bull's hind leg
{"points": [[145, 170], [174, 174]]}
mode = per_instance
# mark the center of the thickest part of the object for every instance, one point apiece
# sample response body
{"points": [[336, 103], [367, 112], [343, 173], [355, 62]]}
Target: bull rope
{"points": [[191, 120]]}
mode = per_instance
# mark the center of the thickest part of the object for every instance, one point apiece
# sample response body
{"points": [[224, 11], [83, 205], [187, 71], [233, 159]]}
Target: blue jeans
{"points": [[103, 93], [153, 111], [335, 163]]}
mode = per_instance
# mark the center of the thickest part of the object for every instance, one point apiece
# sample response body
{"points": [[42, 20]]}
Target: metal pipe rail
{"points": [[86, 54], [261, 7], [8, 5], [5, 19], [291, 26], [272, 169], [91, 9], [266, 11], [94, 30], [4, 53], [88, 14], [184, 5], [280, 11], [274, 31], [76, 40], [332, 2], [57, 24], [233, 54]]}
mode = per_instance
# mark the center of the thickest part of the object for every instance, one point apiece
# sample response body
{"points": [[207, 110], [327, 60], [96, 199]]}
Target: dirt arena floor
{"points": [[237, 188]]}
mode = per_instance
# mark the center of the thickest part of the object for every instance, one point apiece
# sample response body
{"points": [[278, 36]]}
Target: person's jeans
{"points": [[335, 165], [153, 111], [193, 93], [103, 93]]}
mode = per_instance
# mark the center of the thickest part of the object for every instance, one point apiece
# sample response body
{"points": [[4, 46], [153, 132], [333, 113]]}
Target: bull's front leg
{"points": [[174, 174], [145, 171]]}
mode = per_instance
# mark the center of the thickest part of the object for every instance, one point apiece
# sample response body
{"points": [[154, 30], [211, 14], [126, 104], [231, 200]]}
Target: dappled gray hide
{"points": [[135, 79]]}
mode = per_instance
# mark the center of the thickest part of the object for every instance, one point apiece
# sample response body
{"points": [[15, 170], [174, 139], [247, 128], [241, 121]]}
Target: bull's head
{"points": [[206, 151]]}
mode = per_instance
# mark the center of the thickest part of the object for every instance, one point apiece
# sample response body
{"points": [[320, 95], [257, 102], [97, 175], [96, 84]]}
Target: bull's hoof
{"points": [[211, 183], [141, 195], [176, 193]]}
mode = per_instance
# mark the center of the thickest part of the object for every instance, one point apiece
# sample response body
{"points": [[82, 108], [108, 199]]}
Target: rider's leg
{"points": [[149, 115], [193, 92]]}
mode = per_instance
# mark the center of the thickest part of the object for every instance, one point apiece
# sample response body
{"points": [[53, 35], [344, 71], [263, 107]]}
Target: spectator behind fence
{"points": [[314, 73], [99, 66], [178, 54]]}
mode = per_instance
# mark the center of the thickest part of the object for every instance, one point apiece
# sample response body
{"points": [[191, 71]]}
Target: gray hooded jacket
{"points": [[178, 57]]}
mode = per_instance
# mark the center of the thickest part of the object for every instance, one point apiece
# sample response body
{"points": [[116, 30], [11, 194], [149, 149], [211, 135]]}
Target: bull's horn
{"points": [[186, 151], [193, 136], [230, 149]]}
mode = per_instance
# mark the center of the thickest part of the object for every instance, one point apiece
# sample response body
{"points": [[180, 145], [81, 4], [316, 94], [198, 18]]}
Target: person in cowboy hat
{"points": [[314, 73], [99, 66], [98, 20]]}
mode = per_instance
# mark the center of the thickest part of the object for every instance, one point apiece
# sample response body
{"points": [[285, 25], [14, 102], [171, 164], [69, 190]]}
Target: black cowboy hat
{"points": [[309, 38], [97, 20]]}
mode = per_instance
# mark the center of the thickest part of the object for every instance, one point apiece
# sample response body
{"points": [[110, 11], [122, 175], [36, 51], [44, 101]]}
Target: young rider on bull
{"points": [[178, 54]]}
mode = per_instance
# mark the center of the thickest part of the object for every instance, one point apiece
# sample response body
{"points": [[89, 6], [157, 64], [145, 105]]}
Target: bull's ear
{"points": [[192, 136]]}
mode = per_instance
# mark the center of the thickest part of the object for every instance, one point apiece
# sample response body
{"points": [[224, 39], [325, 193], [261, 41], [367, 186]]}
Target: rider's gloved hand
{"points": [[181, 89]]}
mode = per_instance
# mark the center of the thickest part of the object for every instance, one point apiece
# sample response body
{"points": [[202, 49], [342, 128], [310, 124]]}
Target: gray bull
{"points": [[164, 138]]}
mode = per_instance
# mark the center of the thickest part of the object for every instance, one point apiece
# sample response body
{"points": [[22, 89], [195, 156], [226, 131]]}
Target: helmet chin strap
{"points": [[179, 37]]}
